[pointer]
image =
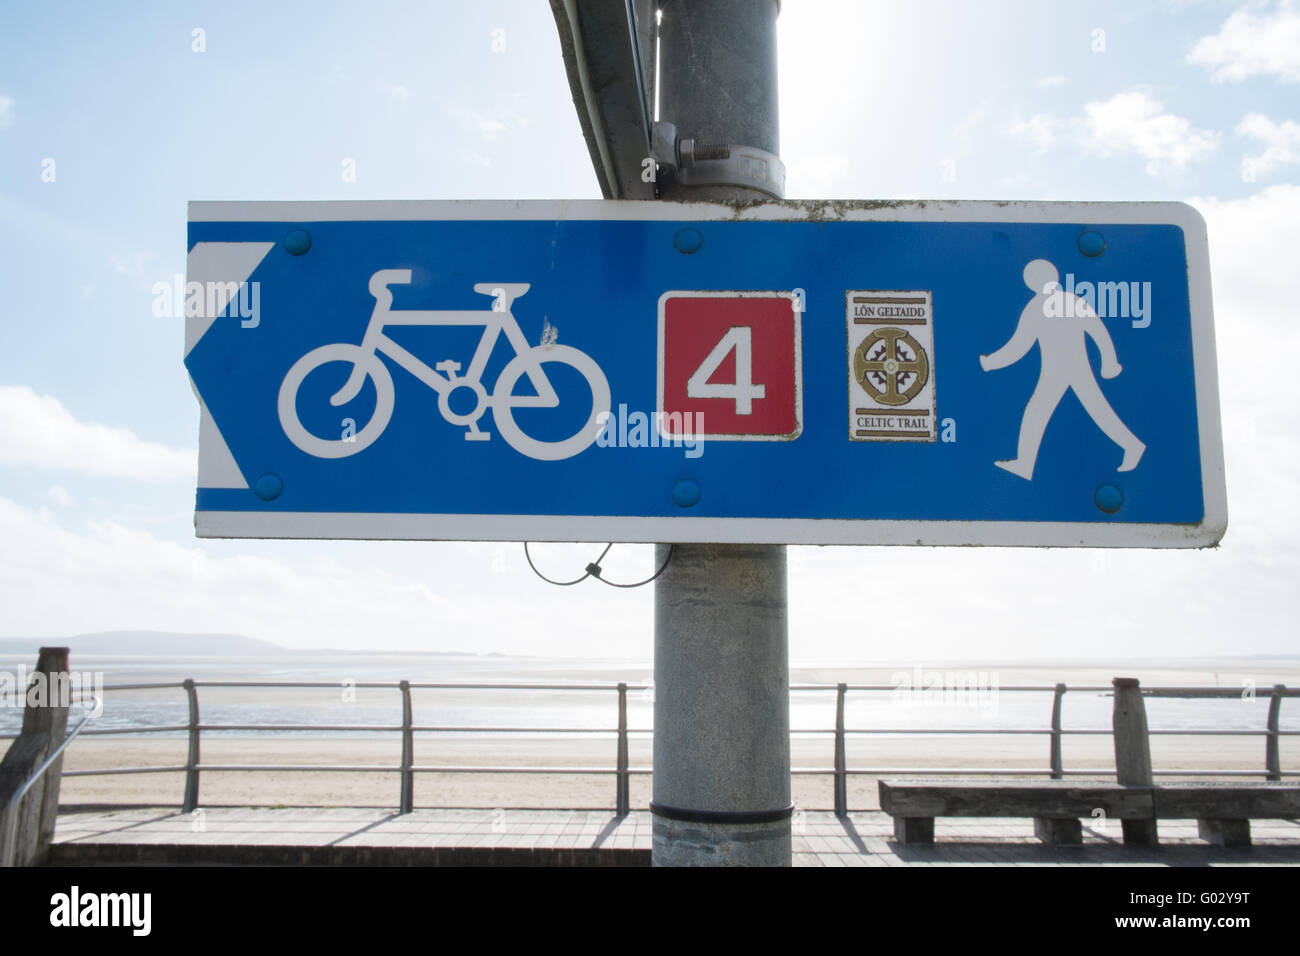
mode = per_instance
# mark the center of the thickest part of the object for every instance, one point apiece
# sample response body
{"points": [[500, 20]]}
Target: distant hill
{"points": [[146, 643]]}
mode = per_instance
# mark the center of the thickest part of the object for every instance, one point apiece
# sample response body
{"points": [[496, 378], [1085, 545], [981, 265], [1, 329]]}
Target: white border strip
{"points": [[624, 210], [419, 527]]}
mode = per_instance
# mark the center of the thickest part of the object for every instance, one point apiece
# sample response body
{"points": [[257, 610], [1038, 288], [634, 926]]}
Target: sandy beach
{"points": [[317, 788]]}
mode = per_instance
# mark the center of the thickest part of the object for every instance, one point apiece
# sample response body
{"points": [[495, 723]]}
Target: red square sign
{"points": [[729, 365]]}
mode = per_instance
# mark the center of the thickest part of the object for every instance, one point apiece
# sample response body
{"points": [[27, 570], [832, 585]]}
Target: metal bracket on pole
{"points": [[746, 166], [670, 150]]}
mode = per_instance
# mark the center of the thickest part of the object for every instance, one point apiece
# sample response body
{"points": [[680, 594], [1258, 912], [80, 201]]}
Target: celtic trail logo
{"points": [[891, 366]]}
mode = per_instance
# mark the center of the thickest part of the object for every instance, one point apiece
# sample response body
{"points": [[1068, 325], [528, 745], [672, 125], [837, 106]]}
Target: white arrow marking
{"points": [[219, 263]]}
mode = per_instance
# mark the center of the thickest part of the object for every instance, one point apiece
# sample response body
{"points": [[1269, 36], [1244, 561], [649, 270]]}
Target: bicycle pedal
{"points": [[477, 436]]}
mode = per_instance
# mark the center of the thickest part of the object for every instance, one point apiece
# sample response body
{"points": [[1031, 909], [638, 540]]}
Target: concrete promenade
{"points": [[590, 837]]}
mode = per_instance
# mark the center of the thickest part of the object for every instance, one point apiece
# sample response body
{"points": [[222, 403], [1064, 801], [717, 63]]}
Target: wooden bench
{"points": [[1223, 811]]}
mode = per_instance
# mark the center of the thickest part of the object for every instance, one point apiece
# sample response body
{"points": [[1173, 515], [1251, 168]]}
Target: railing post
{"points": [[1272, 761], [622, 803], [192, 760], [408, 751], [1055, 755], [1132, 753], [841, 769]]}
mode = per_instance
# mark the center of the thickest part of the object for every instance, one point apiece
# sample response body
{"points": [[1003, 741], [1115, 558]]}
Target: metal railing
{"points": [[8, 845], [407, 769], [622, 771], [1055, 769]]}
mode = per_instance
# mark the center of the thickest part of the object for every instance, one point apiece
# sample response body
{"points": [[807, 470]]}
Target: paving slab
{"points": [[861, 839]]}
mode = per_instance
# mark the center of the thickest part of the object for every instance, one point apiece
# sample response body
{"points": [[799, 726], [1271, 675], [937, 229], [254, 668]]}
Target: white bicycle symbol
{"points": [[365, 361]]}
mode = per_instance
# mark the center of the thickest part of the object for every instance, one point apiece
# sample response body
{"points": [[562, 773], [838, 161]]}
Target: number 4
{"points": [[742, 391]]}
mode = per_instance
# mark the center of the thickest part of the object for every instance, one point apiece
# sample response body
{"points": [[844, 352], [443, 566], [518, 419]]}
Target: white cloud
{"points": [[135, 266], [818, 172], [1252, 249], [488, 127], [1052, 80], [39, 431], [1252, 271], [61, 575], [1039, 130], [1249, 45], [471, 158], [1281, 141], [58, 495], [965, 129], [125, 577], [6, 112], [1134, 122], [505, 116]]}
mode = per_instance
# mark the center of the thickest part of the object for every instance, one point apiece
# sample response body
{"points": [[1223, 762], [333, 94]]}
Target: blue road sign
{"points": [[917, 373]]}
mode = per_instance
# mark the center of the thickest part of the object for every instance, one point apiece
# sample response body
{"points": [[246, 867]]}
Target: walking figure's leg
{"points": [[1094, 402], [1047, 395]]}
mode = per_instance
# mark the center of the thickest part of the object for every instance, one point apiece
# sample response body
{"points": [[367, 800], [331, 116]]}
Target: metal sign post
{"points": [[722, 672]]}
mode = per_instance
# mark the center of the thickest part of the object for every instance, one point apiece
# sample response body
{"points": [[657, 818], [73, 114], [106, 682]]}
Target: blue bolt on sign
{"points": [[925, 373]]}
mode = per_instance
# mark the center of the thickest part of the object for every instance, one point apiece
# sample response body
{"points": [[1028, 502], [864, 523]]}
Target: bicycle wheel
{"points": [[549, 450], [338, 447]]}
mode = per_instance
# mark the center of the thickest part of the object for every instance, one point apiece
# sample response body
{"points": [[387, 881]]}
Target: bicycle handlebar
{"points": [[380, 281]]}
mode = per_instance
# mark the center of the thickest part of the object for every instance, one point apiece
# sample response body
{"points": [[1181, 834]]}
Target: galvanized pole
{"points": [[622, 802], [406, 799], [722, 703], [191, 800]]}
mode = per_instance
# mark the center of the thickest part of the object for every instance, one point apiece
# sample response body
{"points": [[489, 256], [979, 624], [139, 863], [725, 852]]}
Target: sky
{"points": [[113, 117]]}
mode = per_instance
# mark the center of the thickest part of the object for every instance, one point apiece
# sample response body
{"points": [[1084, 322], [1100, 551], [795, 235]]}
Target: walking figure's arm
{"points": [[1015, 349], [1092, 325]]}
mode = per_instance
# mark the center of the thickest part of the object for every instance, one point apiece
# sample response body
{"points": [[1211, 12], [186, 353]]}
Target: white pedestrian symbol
{"points": [[1060, 322]]}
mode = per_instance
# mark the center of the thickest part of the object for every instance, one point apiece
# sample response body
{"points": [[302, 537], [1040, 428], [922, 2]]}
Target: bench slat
{"points": [[1228, 802], [1003, 800]]}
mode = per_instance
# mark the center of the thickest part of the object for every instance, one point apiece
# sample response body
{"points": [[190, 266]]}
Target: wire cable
{"points": [[594, 570], [566, 584]]}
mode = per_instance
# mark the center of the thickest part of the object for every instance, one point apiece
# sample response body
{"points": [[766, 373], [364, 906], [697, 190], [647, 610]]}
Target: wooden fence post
{"points": [[45, 723], [1133, 753]]}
